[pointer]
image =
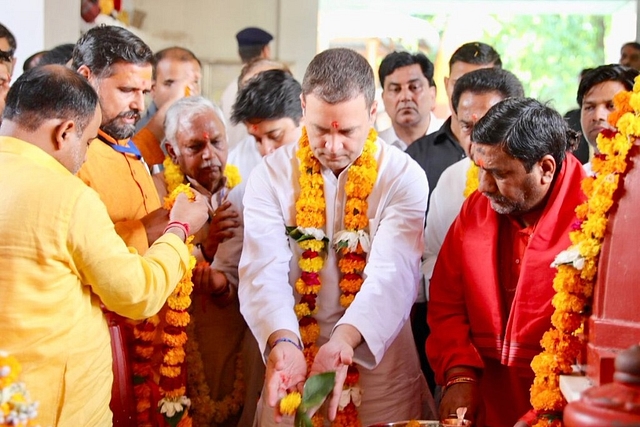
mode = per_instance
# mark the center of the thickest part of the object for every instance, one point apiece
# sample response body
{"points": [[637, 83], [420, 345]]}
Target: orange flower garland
{"points": [[577, 266], [352, 243], [172, 376]]}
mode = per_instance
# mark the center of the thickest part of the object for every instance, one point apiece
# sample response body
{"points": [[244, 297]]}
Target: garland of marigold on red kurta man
{"points": [[577, 266], [351, 243]]}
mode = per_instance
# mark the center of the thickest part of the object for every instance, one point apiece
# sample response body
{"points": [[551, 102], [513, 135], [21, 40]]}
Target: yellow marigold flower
{"points": [[473, 180], [348, 265], [174, 340], [179, 302], [304, 289], [590, 248], [174, 356], [142, 335], [351, 286], [313, 265], [173, 394], [547, 399], [177, 318], [170, 371], [346, 300], [301, 310], [567, 279], [290, 403], [317, 420], [634, 101], [170, 199], [564, 301], [565, 321], [12, 368], [312, 245], [310, 333], [232, 173]]}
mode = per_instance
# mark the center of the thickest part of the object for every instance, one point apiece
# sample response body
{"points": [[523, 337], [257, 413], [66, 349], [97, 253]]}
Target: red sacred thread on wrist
{"points": [[457, 380], [181, 225]]}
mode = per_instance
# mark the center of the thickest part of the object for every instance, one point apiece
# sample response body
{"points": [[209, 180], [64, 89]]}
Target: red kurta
{"points": [[469, 326]]}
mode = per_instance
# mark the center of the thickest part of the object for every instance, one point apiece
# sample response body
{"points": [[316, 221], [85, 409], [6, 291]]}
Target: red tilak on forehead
{"points": [[254, 128], [474, 117], [335, 125], [479, 162], [205, 135]]}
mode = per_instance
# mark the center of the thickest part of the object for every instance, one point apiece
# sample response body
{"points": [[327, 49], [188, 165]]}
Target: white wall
{"points": [[40, 24], [208, 28]]}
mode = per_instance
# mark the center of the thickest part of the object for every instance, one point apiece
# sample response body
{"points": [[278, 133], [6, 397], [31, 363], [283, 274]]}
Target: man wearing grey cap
{"points": [[253, 43]]}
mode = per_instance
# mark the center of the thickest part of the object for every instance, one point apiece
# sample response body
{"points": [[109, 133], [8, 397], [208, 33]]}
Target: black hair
{"points": [[247, 53], [50, 92], [33, 61], [634, 45], [6, 34], [396, 60], [476, 53], [339, 74], [60, 54], [105, 45], [175, 52], [270, 95], [486, 80], [527, 130], [606, 73]]}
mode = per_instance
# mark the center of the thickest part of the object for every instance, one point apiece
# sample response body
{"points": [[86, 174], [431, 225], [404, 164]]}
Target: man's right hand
{"points": [[193, 213], [461, 395], [286, 371], [155, 223]]}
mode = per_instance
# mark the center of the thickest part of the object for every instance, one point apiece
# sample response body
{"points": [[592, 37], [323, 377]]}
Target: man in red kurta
{"points": [[491, 289]]}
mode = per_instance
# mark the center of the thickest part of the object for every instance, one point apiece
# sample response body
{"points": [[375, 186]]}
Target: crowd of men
{"points": [[341, 250]]}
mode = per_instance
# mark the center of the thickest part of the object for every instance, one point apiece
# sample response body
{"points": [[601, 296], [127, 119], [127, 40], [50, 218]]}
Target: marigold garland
{"points": [[577, 266], [16, 407], [204, 409], [352, 244], [473, 180], [177, 318]]}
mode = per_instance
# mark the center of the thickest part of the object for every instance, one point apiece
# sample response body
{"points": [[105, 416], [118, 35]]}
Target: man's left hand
{"points": [[336, 356], [223, 223]]}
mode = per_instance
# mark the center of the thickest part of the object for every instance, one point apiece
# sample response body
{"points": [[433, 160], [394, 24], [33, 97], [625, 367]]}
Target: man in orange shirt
{"points": [[118, 65]]}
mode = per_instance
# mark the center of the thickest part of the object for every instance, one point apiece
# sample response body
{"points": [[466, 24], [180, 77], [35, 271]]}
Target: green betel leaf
{"points": [[302, 420], [316, 389], [173, 421], [292, 230]]}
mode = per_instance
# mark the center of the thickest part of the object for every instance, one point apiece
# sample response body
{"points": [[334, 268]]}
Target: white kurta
{"points": [[245, 156], [446, 200], [235, 133], [394, 388]]}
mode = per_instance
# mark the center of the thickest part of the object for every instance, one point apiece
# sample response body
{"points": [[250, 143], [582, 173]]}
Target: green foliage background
{"points": [[547, 52]]}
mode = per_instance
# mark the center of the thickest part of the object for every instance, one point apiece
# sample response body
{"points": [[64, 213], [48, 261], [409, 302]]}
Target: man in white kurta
{"points": [[373, 331]]}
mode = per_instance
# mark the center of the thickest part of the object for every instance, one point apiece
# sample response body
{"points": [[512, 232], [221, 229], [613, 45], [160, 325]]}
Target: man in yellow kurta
{"points": [[60, 255], [118, 65]]}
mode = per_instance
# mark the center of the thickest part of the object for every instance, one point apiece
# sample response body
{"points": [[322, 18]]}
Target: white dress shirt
{"points": [[389, 135], [394, 387]]}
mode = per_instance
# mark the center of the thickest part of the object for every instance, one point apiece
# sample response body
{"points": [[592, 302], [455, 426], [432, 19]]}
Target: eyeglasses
{"points": [[6, 56]]}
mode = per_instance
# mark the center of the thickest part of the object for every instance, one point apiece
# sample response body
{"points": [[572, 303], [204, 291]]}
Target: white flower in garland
{"points": [[171, 406], [570, 256], [316, 233], [350, 240]]}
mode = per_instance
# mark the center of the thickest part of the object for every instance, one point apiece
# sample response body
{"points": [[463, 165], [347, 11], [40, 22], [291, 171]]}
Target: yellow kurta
{"points": [[59, 256], [125, 186]]}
